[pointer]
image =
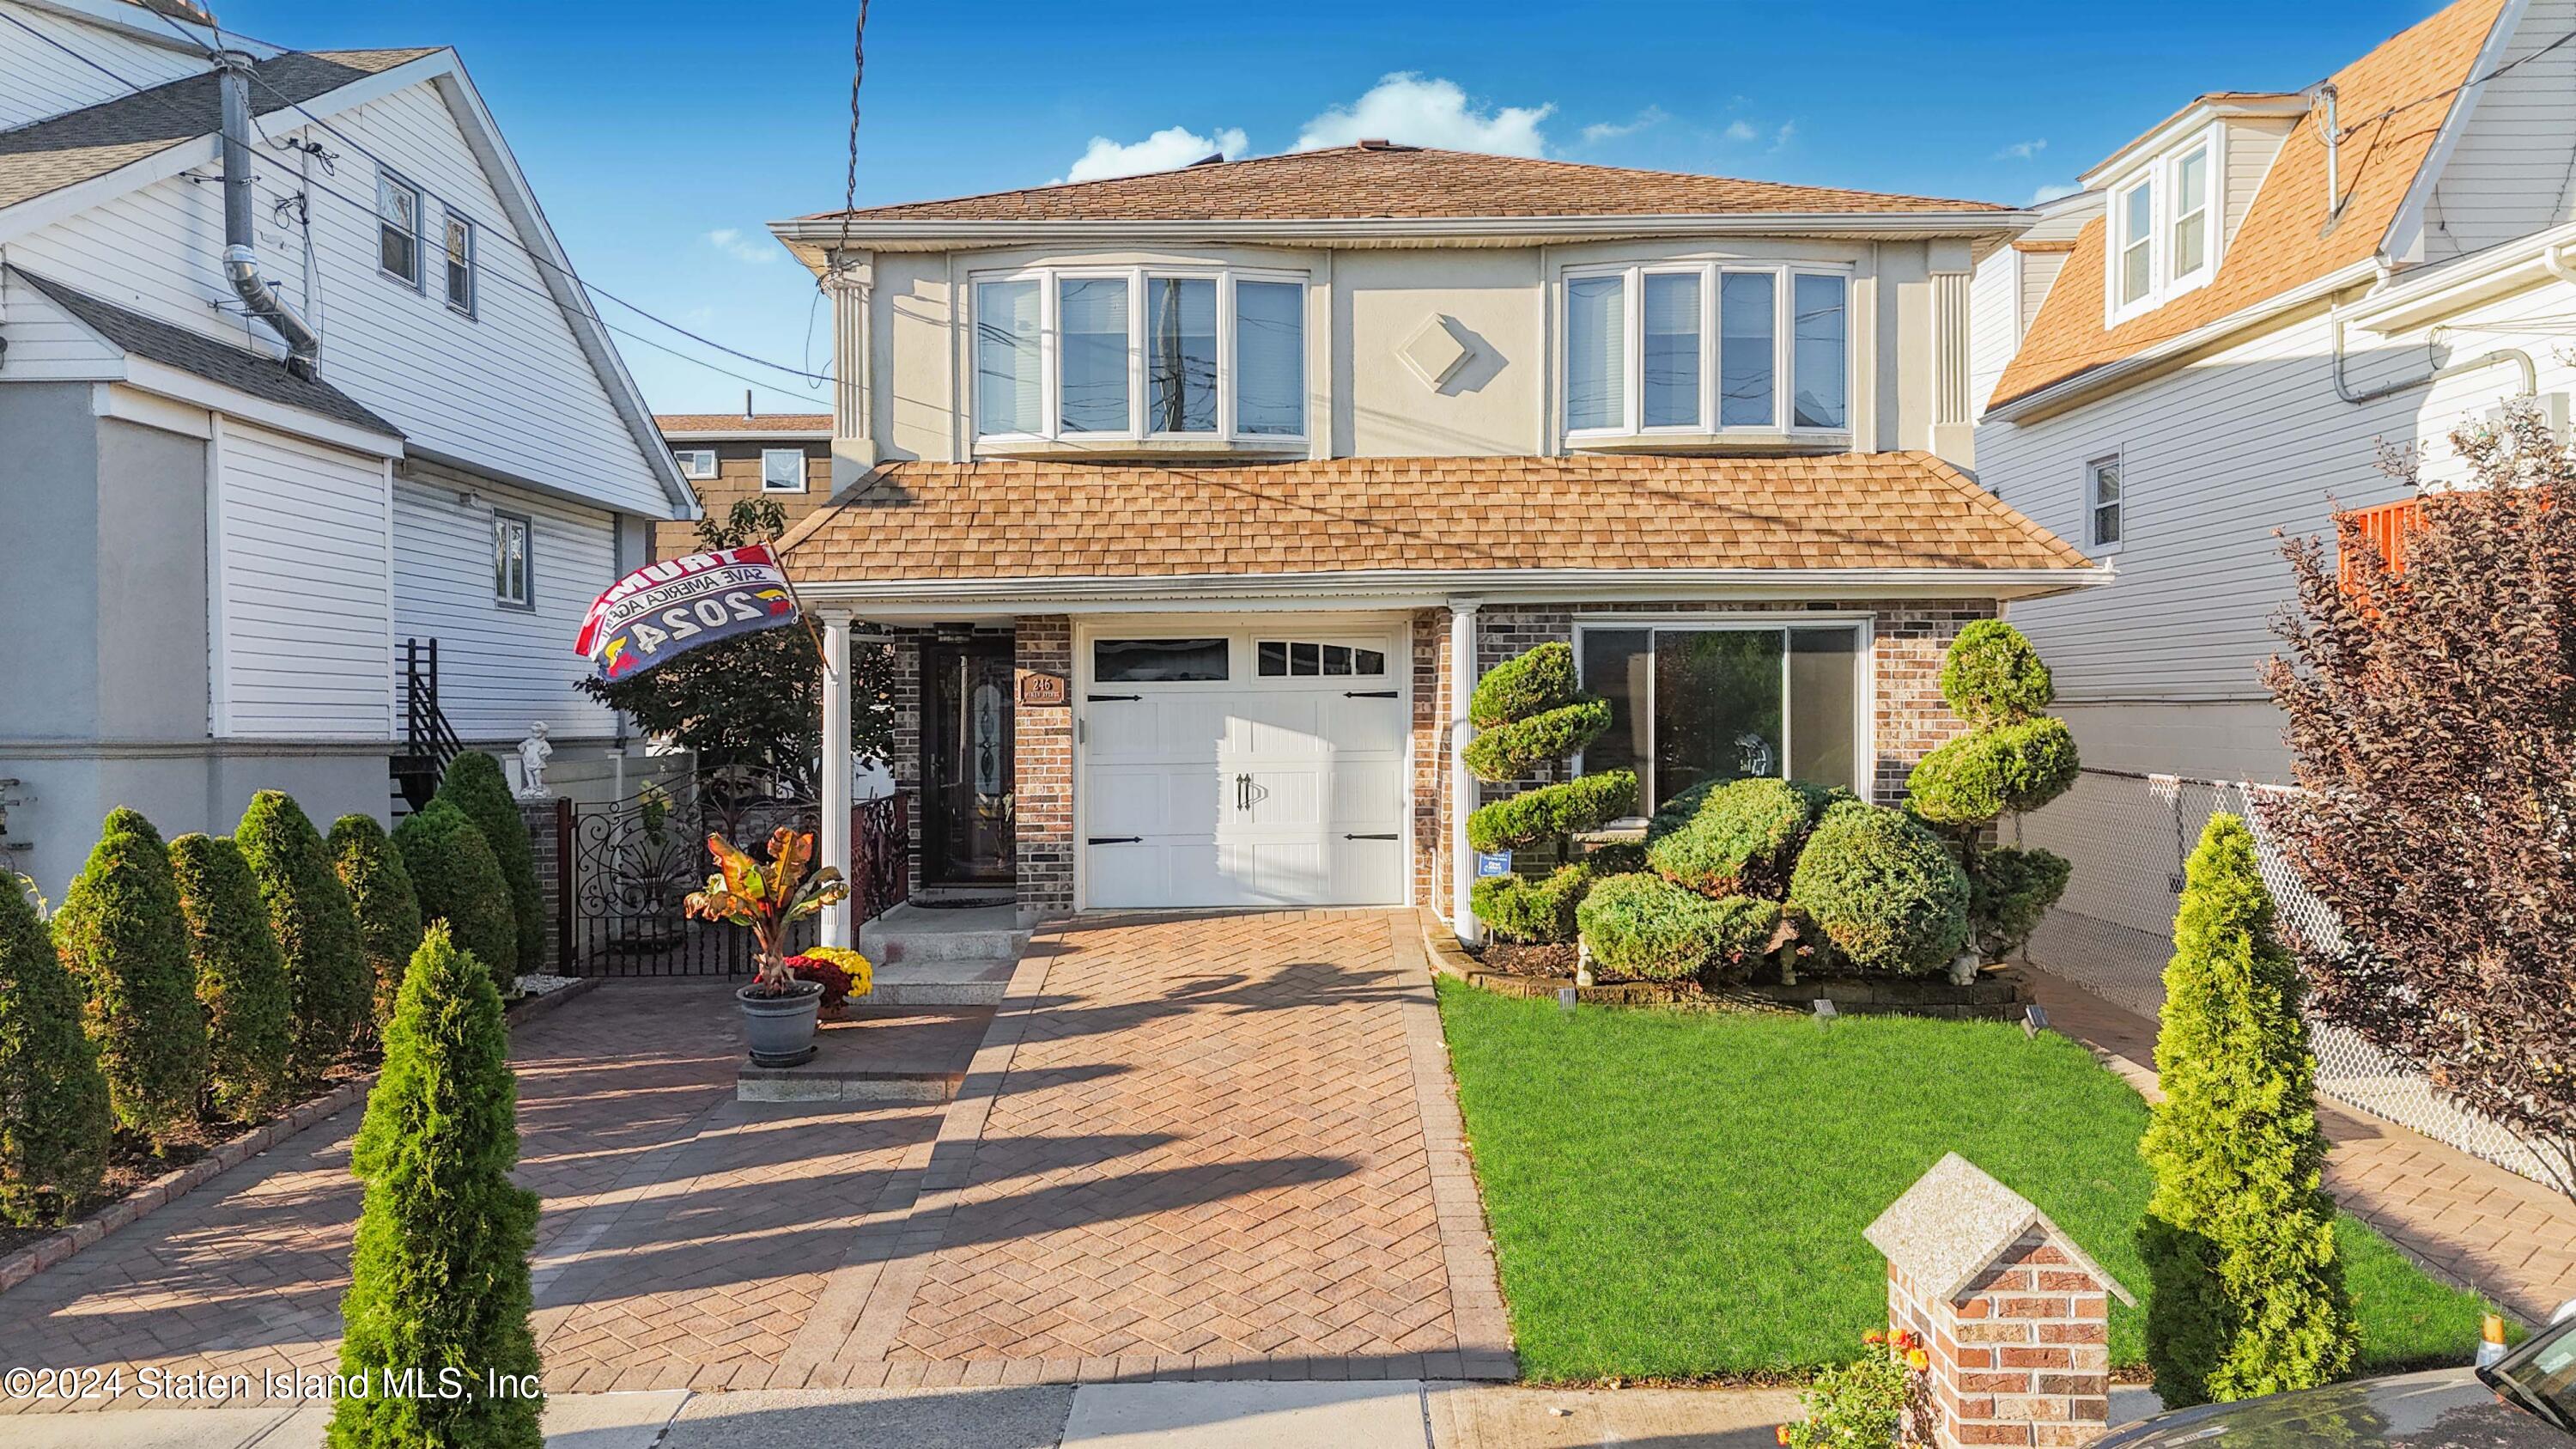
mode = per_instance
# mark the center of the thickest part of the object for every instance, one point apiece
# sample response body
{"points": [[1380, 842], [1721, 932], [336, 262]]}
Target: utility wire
{"points": [[2349, 131]]}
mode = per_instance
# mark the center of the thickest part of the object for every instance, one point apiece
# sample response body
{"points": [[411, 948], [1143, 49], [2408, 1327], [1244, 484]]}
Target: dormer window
{"points": [[1139, 354], [2191, 212], [2164, 228]]}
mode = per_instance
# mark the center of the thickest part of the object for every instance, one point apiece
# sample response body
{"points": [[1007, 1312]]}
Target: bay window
{"points": [[1139, 353], [1707, 348], [1697, 701]]}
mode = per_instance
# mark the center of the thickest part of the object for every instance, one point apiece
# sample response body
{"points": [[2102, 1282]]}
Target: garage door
{"points": [[1244, 767]]}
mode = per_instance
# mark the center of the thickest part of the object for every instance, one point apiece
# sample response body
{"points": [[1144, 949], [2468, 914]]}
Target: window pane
{"points": [[1180, 354], [1274, 657], [1270, 358], [782, 470], [1748, 330], [1305, 659], [1717, 706], [1143, 661], [1824, 706], [2189, 235], [460, 263], [1006, 357], [1337, 659], [2137, 222], [1092, 390], [1367, 661], [1595, 353], [1671, 328], [1820, 354], [1615, 667]]}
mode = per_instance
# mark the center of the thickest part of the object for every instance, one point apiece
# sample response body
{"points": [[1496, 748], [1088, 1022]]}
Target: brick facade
{"points": [[1042, 765], [2022, 1356]]}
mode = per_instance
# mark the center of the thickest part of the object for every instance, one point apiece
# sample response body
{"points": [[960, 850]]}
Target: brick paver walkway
{"points": [[2468, 1219]]}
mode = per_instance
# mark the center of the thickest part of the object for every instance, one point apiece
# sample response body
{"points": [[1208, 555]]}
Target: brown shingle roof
{"points": [[1398, 181], [77, 146], [2283, 242], [757, 425], [1051, 520]]}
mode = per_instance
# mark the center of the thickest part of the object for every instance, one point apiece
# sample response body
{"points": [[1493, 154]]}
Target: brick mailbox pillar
{"points": [[2014, 1317]]}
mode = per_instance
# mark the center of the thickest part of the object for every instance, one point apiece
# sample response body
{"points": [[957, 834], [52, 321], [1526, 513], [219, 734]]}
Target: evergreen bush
{"points": [[1646, 927], [317, 930], [1741, 840], [2008, 895], [388, 909], [440, 1275], [1533, 912], [1882, 890], [474, 784], [2013, 760], [1510, 751], [1552, 810], [241, 978], [2248, 1292], [2009, 769], [120, 932], [457, 881], [1992, 676], [1525, 686], [54, 1116]]}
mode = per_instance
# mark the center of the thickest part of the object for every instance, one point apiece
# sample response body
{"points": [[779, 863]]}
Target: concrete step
{"points": [[918, 1056], [911, 933], [908, 985]]}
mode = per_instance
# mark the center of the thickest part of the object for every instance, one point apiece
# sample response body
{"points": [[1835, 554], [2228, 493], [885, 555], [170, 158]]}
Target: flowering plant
{"points": [[767, 901], [1865, 1404], [844, 973]]}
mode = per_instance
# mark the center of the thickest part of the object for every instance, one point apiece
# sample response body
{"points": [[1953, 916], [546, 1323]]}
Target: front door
{"points": [[966, 833]]}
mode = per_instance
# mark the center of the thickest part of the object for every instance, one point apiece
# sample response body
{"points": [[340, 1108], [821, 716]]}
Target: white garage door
{"points": [[1259, 766]]}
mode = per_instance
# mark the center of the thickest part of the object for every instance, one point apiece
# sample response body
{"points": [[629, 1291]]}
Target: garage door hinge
{"points": [[1368, 694], [1388, 836], [1119, 840], [1101, 698]]}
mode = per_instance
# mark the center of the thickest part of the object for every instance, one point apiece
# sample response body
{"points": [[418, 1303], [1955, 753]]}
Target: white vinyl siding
{"points": [[2251, 145], [1994, 323], [2512, 170], [37, 79], [300, 596]]}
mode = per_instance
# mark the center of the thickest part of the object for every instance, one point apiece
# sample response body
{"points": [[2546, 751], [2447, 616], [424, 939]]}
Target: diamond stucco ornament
{"points": [[1434, 351]]}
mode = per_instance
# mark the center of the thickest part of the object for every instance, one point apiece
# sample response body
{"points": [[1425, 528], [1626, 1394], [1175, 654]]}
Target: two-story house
{"points": [[728, 457], [1195, 503], [292, 375]]}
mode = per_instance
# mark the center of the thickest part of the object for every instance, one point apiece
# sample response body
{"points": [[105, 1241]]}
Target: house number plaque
{"points": [[1041, 689]]}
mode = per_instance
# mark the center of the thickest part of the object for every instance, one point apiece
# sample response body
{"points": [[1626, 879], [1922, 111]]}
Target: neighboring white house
{"points": [[212, 554]]}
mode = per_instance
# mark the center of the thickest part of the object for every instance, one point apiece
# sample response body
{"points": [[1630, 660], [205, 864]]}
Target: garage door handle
{"points": [[1368, 694], [1105, 698], [1114, 840], [1389, 836]]}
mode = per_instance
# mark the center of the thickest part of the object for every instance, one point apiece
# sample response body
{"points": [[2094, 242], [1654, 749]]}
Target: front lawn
{"points": [[1682, 1196]]}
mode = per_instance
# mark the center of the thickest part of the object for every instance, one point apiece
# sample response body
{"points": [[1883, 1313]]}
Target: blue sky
{"points": [[661, 136]]}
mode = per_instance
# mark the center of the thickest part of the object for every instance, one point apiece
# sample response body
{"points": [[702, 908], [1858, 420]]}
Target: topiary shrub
{"points": [[317, 930], [2010, 769], [2010, 892], [473, 784], [1646, 927], [440, 1275], [1882, 890], [1992, 676], [1534, 912], [2248, 1292], [1552, 810], [388, 910], [120, 933], [1678, 811], [1511, 751], [54, 1115], [1524, 686], [457, 881], [241, 978], [1741, 840]]}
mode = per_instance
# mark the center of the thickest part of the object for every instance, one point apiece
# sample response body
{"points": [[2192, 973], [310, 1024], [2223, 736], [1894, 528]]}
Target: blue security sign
{"points": [[1493, 862]]}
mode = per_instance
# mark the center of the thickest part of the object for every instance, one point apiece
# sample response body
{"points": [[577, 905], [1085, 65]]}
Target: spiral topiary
{"points": [[2013, 760], [1530, 711], [121, 934], [241, 978]]}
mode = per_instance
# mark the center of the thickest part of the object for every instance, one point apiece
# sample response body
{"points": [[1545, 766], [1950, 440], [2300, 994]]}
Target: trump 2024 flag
{"points": [[664, 610]]}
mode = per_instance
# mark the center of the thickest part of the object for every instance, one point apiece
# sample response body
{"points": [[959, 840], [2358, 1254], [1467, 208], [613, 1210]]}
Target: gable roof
{"points": [[1956, 1220], [244, 371], [1374, 179], [942, 524], [82, 145], [2400, 95]]}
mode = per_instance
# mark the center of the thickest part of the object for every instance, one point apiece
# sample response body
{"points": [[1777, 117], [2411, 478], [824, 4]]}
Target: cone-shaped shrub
{"points": [[473, 784], [380, 891], [120, 932], [1525, 685], [1882, 890], [1647, 927], [440, 1276], [2248, 1294], [457, 881], [1535, 912], [317, 930], [54, 1120], [241, 977], [1552, 810]]}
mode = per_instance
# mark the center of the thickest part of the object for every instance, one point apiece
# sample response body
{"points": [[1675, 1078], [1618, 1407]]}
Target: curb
{"points": [[171, 1186]]}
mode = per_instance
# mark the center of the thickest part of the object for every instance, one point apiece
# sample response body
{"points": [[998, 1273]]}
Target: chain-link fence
{"points": [[2128, 836]]}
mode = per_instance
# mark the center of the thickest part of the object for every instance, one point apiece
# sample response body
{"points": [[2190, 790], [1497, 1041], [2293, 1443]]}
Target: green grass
{"points": [[1682, 1196]]}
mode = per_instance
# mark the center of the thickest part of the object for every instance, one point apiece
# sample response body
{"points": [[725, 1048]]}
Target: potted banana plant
{"points": [[778, 1007]]}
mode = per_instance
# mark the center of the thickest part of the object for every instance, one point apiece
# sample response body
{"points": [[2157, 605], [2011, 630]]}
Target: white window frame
{"points": [[1864, 684], [696, 464], [1050, 281], [796, 453], [1632, 299], [2181, 209], [2159, 176], [502, 520], [418, 281], [468, 308], [2093, 504]]}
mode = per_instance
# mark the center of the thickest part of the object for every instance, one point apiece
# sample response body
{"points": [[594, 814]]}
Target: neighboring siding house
{"points": [[728, 457], [2252, 306], [1190, 505], [214, 553]]}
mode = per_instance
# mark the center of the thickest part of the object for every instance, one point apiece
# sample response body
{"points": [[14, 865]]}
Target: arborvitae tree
{"points": [[457, 881], [388, 910], [317, 930], [440, 1276], [241, 978], [474, 785], [54, 1119], [2248, 1294], [120, 932]]}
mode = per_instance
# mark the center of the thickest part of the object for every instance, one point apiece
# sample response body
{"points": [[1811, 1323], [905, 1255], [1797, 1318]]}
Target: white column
{"points": [[1462, 781], [834, 845]]}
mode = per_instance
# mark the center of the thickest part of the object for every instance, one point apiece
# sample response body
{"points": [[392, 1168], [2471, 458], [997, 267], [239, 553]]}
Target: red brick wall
{"points": [[2021, 1357], [1430, 758], [1042, 766]]}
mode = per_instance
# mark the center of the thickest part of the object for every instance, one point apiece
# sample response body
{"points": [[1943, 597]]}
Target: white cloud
{"points": [[2021, 150], [1600, 131], [1787, 133], [1741, 130], [733, 243], [1166, 150], [2051, 192], [1406, 108]]}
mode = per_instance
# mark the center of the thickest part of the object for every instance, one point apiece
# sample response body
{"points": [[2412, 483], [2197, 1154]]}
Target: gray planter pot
{"points": [[780, 1029]]}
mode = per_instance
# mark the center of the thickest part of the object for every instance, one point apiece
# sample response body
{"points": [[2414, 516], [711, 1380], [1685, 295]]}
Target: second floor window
{"points": [[2163, 229], [2102, 502], [1701, 348], [460, 264], [1135, 353], [511, 587], [398, 208], [696, 462], [782, 470]]}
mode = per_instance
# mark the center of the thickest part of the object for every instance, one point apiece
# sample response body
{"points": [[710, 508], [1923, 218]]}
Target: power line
{"points": [[2348, 132]]}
